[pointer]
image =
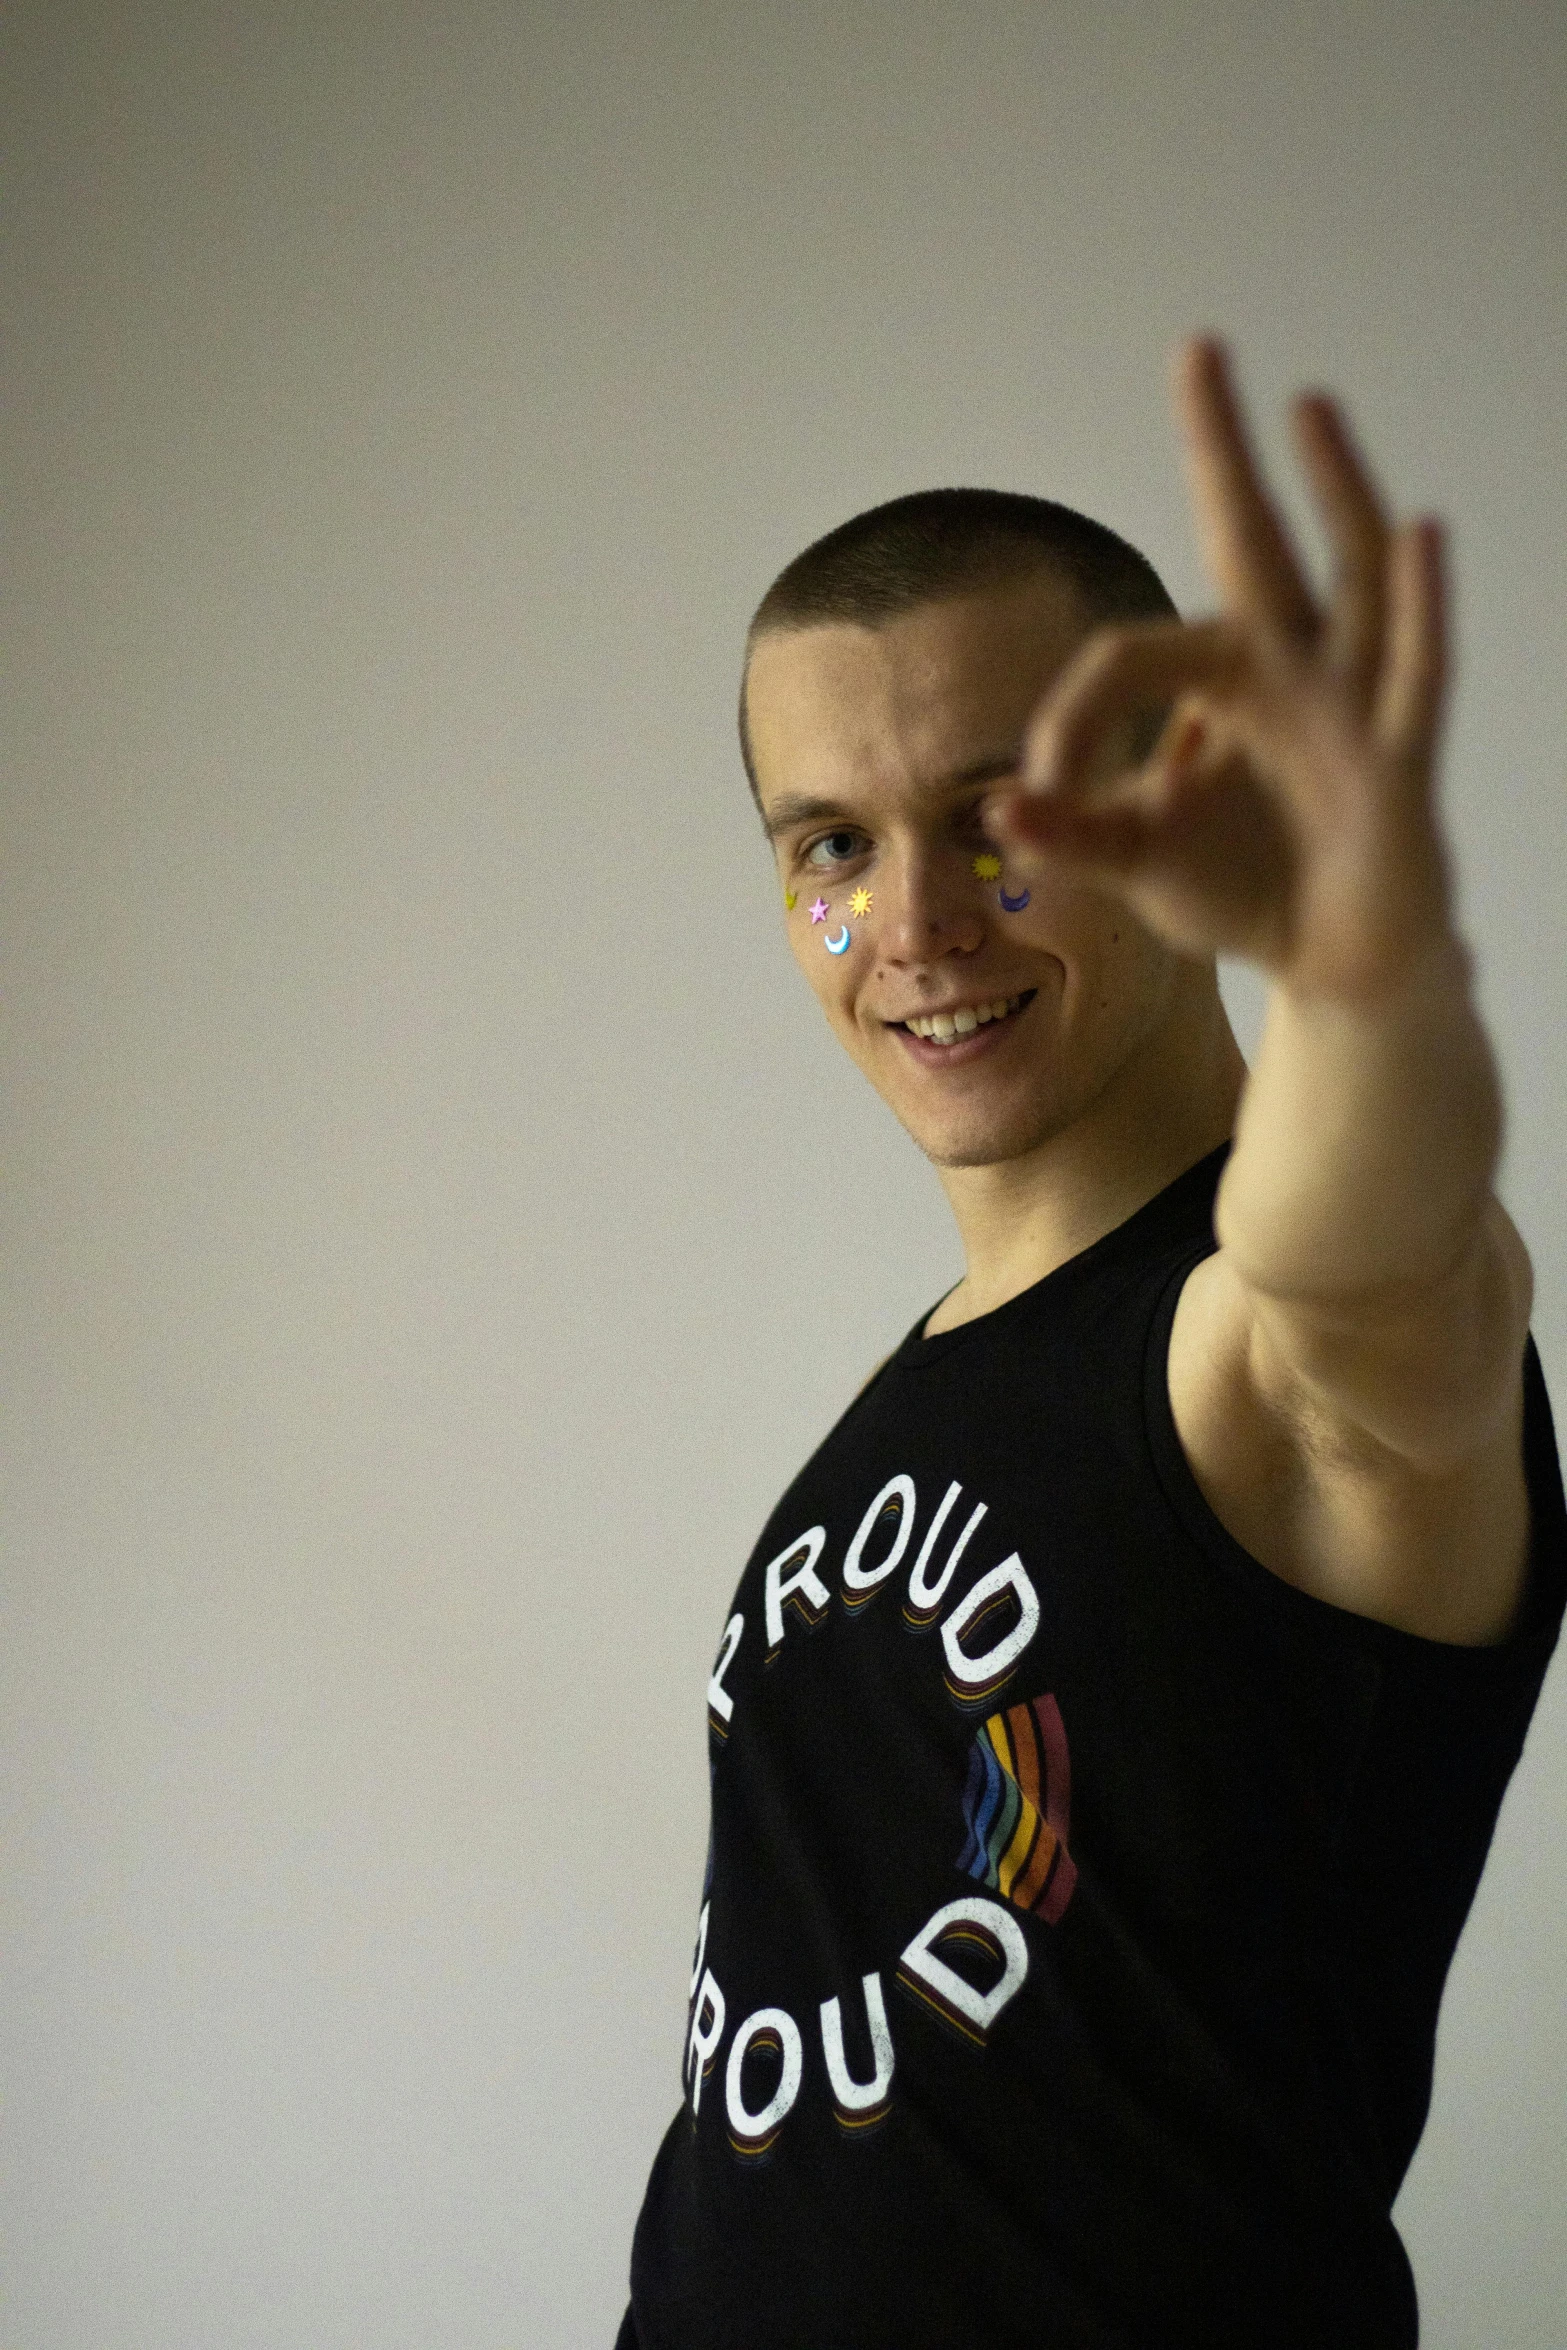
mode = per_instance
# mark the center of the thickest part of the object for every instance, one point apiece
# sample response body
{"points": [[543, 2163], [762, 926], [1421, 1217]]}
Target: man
{"points": [[1111, 1723]]}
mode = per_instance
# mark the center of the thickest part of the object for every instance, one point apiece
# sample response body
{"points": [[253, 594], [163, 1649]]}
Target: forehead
{"points": [[913, 703]]}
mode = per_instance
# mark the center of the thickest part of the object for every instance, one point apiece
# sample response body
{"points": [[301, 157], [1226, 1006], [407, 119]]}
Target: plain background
{"points": [[436, 1224]]}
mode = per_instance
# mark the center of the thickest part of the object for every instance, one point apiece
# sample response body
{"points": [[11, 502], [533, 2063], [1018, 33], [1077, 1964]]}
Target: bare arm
{"points": [[1346, 1371], [1357, 1212]]}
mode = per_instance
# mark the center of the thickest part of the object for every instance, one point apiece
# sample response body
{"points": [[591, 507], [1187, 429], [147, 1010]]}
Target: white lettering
{"points": [[857, 1578], [774, 2025], [849, 2095], [996, 1932], [701, 1946], [925, 1597], [989, 1670], [719, 1701], [707, 2029], [805, 1587]]}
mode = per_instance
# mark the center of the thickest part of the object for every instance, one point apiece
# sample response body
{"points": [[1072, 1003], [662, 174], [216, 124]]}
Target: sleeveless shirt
{"points": [[1080, 1894]]}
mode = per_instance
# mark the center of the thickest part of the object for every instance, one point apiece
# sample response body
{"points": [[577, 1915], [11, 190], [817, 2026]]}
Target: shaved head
{"points": [[937, 544]]}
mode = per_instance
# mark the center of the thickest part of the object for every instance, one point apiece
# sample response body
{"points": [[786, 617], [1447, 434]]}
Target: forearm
{"points": [[1366, 1142]]}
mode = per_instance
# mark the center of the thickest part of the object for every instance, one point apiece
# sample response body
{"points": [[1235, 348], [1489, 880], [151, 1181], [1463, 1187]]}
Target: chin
{"points": [[983, 1141]]}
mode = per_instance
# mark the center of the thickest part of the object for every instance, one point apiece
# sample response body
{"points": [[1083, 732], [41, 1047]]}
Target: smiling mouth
{"points": [[951, 1027]]}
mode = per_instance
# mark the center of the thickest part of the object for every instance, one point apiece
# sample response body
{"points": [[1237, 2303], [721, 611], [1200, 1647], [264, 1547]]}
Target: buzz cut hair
{"points": [[932, 544]]}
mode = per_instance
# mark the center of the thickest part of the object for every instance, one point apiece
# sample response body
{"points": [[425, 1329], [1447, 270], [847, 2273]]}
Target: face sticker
{"points": [[819, 910], [1013, 905], [987, 868], [840, 944], [791, 900], [860, 903]]}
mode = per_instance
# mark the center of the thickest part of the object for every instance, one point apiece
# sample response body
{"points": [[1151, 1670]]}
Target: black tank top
{"points": [[1080, 1895]]}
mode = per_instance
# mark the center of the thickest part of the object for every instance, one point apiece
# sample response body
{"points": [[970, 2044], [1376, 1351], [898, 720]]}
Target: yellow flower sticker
{"points": [[987, 868], [860, 902]]}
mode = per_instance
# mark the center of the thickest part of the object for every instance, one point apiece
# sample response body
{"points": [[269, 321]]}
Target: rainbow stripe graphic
{"points": [[1017, 1808]]}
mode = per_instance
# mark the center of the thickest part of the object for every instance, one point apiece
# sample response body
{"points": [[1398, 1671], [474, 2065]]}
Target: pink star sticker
{"points": [[819, 910]]}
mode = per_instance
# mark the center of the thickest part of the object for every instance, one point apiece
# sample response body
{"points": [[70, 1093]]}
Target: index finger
{"points": [[1247, 550]]}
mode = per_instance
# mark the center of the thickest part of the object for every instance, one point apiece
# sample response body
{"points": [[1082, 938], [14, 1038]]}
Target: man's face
{"points": [[874, 751]]}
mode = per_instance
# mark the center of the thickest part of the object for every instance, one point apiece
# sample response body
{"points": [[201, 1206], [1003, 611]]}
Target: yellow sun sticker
{"points": [[860, 902], [987, 868]]}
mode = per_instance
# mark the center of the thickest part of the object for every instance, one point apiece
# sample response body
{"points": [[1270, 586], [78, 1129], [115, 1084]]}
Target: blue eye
{"points": [[833, 848]]}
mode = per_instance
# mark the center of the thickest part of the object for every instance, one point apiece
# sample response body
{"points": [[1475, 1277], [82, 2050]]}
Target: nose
{"points": [[929, 908]]}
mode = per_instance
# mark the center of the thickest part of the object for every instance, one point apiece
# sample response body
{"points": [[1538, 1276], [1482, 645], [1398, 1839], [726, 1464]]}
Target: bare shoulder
{"points": [[1436, 1545]]}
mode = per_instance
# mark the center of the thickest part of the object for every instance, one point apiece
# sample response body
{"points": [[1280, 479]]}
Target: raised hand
{"points": [[1286, 812]]}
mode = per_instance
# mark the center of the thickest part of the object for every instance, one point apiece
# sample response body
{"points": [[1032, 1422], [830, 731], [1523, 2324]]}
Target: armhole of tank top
{"points": [[1255, 1585], [1541, 1612]]}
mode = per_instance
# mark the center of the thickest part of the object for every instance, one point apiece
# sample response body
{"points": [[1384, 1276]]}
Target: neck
{"points": [[1170, 1104]]}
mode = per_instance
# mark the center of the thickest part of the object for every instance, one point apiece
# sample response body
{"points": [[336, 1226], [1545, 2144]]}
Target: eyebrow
{"points": [[796, 808]]}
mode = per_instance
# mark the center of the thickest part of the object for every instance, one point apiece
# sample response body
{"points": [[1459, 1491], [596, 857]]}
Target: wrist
{"points": [[1426, 967]]}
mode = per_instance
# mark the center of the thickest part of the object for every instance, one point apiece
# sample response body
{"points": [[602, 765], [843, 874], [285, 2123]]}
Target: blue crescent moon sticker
{"points": [[840, 944], [1013, 905]]}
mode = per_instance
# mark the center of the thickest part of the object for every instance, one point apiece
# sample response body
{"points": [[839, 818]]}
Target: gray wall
{"points": [[435, 1225]]}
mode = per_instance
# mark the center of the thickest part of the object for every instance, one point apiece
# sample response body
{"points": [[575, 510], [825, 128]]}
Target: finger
{"points": [[1115, 838], [1114, 685], [1408, 713], [1245, 545], [1357, 528]]}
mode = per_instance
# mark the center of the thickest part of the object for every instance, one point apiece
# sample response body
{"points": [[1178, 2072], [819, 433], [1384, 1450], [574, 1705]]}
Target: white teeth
{"points": [[945, 1027]]}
